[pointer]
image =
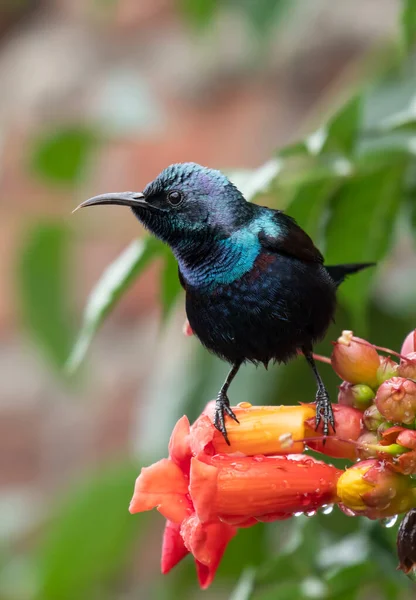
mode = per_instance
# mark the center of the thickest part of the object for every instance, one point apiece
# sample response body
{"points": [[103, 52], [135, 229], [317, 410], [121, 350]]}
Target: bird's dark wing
{"points": [[291, 240], [181, 279]]}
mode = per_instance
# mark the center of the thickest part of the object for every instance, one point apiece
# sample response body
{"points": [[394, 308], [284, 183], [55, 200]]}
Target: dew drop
{"points": [[240, 466], [310, 513], [286, 440], [244, 405], [327, 509], [298, 514], [389, 521]]}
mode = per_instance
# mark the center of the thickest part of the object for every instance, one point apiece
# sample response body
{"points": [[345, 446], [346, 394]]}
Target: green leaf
{"points": [[92, 533], [285, 591], [309, 204], [245, 586], [256, 181], [61, 156], [263, 14], [345, 579], [170, 286], [360, 228], [115, 280], [408, 24], [42, 280], [200, 13], [343, 128]]}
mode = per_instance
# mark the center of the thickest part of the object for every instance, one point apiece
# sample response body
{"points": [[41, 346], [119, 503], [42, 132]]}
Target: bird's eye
{"points": [[174, 198]]}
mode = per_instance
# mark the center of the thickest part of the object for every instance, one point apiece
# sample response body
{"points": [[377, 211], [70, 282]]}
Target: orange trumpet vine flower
{"points": [[206, 494]]}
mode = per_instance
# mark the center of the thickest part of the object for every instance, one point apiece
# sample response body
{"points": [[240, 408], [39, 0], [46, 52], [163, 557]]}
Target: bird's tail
{"points": [[339, 272]]}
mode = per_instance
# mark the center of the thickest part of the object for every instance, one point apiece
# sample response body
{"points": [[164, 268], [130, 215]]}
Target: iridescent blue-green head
{"points": [[183, 202]]}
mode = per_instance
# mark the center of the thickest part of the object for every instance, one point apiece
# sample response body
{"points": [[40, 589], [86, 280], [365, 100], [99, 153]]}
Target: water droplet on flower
{"points": [[285, 483], [310, 513], [389, 521], [305, 501], [258, 458], [286, 440], [244, 405], [298, 514], [327, 509], [239, 466]]}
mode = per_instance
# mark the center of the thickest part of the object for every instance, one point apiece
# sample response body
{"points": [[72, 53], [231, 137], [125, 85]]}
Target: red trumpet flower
{"points": [[206, 494]]}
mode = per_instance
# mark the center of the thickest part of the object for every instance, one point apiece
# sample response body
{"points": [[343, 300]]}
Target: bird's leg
{"points": [[323, 404], [222, 404]]}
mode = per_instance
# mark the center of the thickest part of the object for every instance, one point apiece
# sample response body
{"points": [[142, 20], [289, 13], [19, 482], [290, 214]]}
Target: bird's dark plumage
{"points": [[256, 286]]}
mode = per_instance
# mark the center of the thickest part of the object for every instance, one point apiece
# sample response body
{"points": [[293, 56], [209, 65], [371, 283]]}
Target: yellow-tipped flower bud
{"points": [[372, 489]]}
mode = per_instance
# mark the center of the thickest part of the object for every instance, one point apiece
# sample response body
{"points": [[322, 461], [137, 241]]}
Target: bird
{"points": [[256, 287]]}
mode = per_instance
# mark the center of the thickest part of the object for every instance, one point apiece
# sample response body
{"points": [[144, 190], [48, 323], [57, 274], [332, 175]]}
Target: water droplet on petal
{"points": [[389, 521], [310, 513], [286, 440], [298, 514], [244, 405], [327, 509]]}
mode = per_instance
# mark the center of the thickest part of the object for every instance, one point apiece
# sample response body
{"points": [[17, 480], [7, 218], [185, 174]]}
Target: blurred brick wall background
{"points": [[161, 93]]}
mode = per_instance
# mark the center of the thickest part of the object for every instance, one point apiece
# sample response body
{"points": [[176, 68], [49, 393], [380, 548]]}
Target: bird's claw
{"points": [[324, 412], [222, 408]]}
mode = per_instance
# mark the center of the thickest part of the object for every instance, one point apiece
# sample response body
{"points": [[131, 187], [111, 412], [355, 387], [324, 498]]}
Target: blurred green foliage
{"points": [[60, 156], [44, 289], [348, 184]]}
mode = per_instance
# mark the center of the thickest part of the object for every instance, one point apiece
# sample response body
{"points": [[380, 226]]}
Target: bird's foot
{"points": [[324, 412], [222, 408]]}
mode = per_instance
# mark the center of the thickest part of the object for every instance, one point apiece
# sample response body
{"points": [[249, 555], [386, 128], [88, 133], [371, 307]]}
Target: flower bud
{"points": [[372, 418], [355, 360], [387, 369], [358, 396], [382, 428], [372, 489], [365, 441], [407, 367], [396, 400], [406, 544], [409, 344]]}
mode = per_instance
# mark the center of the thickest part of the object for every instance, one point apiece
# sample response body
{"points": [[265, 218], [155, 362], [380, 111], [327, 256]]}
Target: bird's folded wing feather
{"points": [[291, 240]]}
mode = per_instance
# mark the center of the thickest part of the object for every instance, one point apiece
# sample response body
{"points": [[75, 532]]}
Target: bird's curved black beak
{"points": [[132, 199]]}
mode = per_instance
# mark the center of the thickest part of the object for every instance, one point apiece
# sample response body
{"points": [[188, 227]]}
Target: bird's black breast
{"points": [[280, 305]]}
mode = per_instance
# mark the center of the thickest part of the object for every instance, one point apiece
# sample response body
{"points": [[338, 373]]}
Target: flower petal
{"points": [[179, 448], [163, 486], [260, 486], [203, 489], [202, 433], [267, 430], [207, 542], [173, 548]]}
